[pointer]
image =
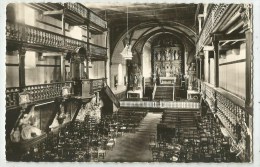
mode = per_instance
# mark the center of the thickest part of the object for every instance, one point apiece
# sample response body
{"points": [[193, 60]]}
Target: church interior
{"points": [[133, 82]]}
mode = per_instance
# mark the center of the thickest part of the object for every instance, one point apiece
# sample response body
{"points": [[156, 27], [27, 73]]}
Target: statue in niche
{"points": [[135, 77], [159, 56], [168, 55], [173, 55], [177, 55], [163, 71]]}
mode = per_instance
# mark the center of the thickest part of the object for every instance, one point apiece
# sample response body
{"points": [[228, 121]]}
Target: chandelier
{"points": [[127, 51]]}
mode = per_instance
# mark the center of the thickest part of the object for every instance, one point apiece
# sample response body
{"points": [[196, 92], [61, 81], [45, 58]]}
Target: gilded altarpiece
{"points": [[167, 64]]}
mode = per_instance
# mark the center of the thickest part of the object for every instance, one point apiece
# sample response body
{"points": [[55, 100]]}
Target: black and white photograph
{"points": [[129, 82]]}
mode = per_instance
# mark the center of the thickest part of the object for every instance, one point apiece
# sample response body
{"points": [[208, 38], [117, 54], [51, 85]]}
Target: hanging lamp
{"points": [[127, 51]]}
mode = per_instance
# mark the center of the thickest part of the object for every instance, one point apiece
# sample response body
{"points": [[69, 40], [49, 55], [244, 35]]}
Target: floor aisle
{"points": [[134, 147]]}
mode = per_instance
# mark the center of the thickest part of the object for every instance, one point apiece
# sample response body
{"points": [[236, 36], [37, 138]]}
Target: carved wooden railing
{"points": [[36, 92], [161, 104], [216, 12], [97, 50], [78, 8], [36, 36], [97, 84], [230, 113], [86, 14], [71, 43], [97, 20], [12, 96]]}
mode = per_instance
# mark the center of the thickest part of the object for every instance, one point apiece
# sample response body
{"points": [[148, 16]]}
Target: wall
{"points": [[12, 70], [116, 60], [146, 62], [232, 71], [37, 70], [97, 70]]}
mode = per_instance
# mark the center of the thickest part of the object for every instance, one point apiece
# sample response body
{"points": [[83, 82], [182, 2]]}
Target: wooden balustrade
{"points": [[36, 93], [97, 84], [97, 20], [97, 51], [40, 37], [231, 114], [78, 8], [216, 12], [86, 14], [12, 96]]}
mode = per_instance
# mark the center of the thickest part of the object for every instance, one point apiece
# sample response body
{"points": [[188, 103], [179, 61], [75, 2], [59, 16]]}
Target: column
{"points": [[21, 55], [201, 66], [246, 15], [62, 68], [62, 60], [216, 63], [249, 71]]}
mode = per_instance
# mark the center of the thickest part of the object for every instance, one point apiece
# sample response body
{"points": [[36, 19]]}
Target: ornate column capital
{"points": [[246, 15]]}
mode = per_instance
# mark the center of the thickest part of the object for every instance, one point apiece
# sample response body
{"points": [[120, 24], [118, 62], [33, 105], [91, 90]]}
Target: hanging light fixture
{"points": [[127, 52]]}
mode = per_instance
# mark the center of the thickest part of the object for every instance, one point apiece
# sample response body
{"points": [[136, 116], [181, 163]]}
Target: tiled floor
{"points": [[134, 147]]}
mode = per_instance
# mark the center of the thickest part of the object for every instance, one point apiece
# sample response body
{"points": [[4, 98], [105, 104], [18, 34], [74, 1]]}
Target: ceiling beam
{"points": [[54, 12]]}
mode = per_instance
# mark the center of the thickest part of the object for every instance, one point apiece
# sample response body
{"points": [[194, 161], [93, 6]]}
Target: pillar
{"points": [[216, 63], [21, 54], [249, 38]]}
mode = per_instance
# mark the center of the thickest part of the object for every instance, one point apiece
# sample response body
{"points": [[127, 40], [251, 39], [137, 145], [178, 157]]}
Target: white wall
{"points": [[232, 76], [146, 61]]}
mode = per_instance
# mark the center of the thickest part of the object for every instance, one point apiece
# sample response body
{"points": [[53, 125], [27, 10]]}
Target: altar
{"points": [[167, 80], [135, 94]]}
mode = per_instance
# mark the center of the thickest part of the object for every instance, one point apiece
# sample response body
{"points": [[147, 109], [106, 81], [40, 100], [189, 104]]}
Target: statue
{"points": [[28, 126], [173, 55], [159, 56]]}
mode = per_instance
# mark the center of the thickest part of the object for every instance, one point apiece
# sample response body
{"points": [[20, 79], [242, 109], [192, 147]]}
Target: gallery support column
{"points": [[62, 60], [249, 38], [216, 63], [21, 55]]}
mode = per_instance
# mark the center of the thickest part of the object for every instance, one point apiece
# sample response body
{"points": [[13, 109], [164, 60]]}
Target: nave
{"points": [[166, 136], [129, 82]]}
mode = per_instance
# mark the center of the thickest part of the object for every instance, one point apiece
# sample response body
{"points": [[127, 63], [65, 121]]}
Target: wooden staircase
{"points": [[164, 93]]}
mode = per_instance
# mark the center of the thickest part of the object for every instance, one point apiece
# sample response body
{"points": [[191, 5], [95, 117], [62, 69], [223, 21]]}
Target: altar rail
{"points": [[216, 12], [36, 92], [160, 104], [39, 37]]}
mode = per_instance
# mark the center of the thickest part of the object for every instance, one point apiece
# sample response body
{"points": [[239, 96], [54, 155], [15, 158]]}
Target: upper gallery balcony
{"points": [[76, 14], [215, 15], [34, 38]]}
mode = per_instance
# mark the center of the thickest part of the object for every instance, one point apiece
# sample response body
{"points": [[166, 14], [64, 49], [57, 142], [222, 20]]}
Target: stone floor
{"points": [[134, 147]]}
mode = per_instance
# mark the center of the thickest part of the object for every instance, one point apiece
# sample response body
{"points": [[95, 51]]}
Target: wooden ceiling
{"points": [[116, 14]]}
